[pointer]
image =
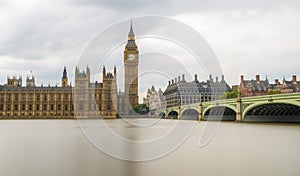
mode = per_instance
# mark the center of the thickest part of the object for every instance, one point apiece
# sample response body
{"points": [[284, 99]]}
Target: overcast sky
{"points": [[249, 37]]}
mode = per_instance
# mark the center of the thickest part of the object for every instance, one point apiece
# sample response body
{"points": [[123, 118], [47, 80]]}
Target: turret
{"points": [[65, 73], [76, 71], [30, 82], [88, 72], [64, 79], [104, 72], [14, 81], [115, 71]]}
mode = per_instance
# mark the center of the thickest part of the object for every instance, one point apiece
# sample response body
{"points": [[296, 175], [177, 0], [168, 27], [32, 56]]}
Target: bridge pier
{"points": [[239, 111], [200, 112], [179, 112]]}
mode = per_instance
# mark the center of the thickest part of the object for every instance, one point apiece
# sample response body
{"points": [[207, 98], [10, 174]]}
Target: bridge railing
{"points": [[246, 99]]}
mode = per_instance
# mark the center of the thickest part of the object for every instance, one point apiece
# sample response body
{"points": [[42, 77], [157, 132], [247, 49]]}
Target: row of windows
{"points": [[97, 96], [38, 97], [93, 107], [38, 114], [38, 107]]}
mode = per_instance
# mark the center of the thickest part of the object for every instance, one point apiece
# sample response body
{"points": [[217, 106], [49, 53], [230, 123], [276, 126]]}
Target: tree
{"points": [[141, 109], [272, 92], [228, 95]]}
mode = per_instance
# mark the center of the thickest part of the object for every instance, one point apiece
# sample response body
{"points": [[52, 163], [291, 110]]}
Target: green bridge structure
{"points": [[268, 108]]}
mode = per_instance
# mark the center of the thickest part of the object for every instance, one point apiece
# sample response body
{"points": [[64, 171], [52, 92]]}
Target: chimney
{"points": [[276, 82], [183, 77], [217, 79], [223, 78], [242, 78], [210, 78], [257, 78], [294, 79], [175, 80], [196, 79], [172, 81], [179, 78], [169, 82]]}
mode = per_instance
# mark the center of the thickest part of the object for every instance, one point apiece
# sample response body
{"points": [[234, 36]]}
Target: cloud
{"points": [[249, 37], [120, 5], [253, 41]]}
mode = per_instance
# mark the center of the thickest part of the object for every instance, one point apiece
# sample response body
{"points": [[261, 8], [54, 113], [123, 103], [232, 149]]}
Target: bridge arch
{"points": [[173, 115], [190, 114], [280, 111], [190, 108], [223, 112]]}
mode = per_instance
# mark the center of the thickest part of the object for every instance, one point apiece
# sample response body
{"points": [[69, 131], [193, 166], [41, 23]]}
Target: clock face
{"points": [[131, 56]]}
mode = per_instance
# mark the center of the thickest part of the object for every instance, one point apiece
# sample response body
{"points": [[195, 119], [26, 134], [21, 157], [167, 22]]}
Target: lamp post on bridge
{"points": [[200, 109], [239, 111], [179, 106]]}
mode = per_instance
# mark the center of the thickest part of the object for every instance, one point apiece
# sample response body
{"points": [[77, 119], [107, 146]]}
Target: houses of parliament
{"points": [[85, 99]]}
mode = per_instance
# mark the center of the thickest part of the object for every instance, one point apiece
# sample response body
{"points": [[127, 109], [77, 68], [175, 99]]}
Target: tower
{"points": [[82, 91], [109, 94], [131, 61], [30, 81], [14, 81], [64, 79]]}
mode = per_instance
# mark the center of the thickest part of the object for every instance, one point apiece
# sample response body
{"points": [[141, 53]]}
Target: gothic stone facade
{"points": [[33, 101], [95, 99], [86, 99]]}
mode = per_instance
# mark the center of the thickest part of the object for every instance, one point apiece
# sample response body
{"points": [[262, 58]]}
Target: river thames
{"points": [[60, 148]]}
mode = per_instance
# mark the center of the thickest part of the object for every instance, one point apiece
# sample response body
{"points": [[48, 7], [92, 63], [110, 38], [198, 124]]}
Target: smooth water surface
{"points": [[59, 148]]}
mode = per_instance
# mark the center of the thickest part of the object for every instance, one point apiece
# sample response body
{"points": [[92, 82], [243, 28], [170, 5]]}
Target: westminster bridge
{"points": [[268, 108]]}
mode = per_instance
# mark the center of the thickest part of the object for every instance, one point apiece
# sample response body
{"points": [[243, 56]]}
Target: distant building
{"points": [[254, 87], [259, 87], [181, 92], [155, 100], [287, 86]]}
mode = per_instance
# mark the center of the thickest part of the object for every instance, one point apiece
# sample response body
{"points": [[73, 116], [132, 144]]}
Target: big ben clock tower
{"points": [[131, 62]]}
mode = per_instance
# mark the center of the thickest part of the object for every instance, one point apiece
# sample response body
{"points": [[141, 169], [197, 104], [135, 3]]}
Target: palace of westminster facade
{"points": [[85, 99], [97, 99]]}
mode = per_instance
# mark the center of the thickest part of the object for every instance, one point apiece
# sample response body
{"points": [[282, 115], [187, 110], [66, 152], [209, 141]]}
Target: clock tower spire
{"points": [[131, 33], [131, 61]]}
